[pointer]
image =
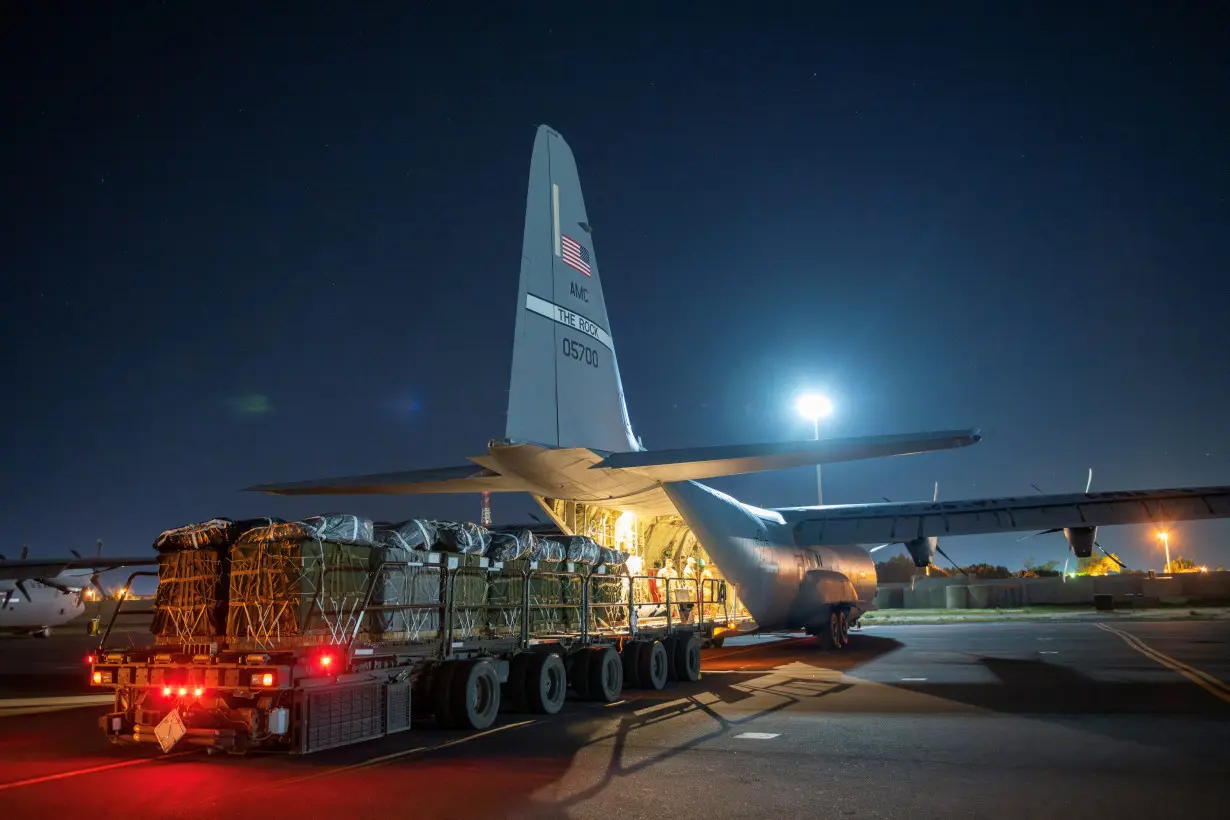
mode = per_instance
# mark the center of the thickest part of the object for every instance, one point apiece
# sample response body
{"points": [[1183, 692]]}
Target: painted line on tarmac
{"points": [[377, 761], [67, 700], [1204, 680], [47, 778], [17, 707]]}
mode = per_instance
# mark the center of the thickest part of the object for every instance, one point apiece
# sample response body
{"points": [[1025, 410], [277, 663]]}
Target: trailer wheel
{"points": [[546, 684], [687, 659], [669, 643], [476, 695], [652, 664], [513, 696], [630, 658], [442, 694], [578, 673], [606, 674]]}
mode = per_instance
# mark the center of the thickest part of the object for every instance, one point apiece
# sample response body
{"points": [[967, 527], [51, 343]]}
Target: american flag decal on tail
{"points": [[574, 254]]}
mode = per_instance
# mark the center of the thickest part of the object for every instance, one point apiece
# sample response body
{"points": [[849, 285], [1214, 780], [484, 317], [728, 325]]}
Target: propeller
{"points": [[935, 543], [1068, 557]]}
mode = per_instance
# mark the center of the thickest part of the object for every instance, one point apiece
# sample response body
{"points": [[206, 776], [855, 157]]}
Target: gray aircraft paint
{"points": [[565, 390], [568, 438], [47, 606]]}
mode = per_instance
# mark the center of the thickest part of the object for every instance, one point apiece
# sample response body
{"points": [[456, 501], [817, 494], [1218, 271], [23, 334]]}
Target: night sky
{"points": [[243, 246]]}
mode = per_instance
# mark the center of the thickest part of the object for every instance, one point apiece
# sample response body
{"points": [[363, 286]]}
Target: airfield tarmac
{"points": [[1105, 719]]}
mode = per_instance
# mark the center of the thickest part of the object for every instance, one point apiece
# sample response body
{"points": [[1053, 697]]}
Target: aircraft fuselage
{"points": [[45, 608]]}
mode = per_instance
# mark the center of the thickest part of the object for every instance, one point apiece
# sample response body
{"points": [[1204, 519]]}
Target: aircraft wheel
{"points": [[442, 694], [476, 695], [717, 643], [546, 684], [652, 664], [606, 674], [632, 670], [686, 659], [829, 635], [45, 632], [578, 671], [513, 696]]}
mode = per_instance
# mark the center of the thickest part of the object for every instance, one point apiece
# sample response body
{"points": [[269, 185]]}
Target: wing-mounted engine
{"points": [[1081, 540], [922, 550]]}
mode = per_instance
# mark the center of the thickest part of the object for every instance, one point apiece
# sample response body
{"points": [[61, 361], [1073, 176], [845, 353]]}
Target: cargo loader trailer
{"points": [[519, 651]]}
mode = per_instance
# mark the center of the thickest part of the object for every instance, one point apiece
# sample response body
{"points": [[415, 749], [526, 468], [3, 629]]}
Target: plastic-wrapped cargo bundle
{"points": [[340, 528], [415, 534], [613, 558], [462, 536], [608, 601], [405, 578], [549, 551], [287, 583], [193, 563], [512, 545], [578, 548]]}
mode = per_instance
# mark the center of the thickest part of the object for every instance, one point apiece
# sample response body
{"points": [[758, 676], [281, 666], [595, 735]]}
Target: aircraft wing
{"points": [[693, 463], [34, 569], [467, 478], [901, 522]]}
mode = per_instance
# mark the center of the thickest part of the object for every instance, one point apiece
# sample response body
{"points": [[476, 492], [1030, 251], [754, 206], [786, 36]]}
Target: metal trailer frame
{"points": [[298, 698]]}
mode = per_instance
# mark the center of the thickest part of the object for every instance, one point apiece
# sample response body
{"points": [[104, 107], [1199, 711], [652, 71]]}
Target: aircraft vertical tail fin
{"points": [[565, 389]]}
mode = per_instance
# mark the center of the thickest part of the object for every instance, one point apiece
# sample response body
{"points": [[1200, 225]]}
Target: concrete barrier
{"points": [[1204, 588], [956, 596]]}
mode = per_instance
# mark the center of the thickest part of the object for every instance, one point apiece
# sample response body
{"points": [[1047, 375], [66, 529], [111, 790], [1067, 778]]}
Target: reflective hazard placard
{"points": [[170, 729]]}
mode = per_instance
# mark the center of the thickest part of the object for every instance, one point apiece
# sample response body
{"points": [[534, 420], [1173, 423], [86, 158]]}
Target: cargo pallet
{"points": [[295, 698]]}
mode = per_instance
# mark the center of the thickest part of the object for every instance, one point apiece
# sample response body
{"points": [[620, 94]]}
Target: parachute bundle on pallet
{"points": [[548, 593], [512, 545], [407, 579], [286, 581], [461, 536], [193, 563]]}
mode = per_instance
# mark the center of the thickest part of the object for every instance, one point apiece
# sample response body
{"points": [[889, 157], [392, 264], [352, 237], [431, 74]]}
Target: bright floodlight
{"points": [[814, 406]]}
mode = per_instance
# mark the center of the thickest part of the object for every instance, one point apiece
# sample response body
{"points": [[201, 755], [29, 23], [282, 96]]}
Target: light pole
{"points": [[1165, 536], [815, 406]]}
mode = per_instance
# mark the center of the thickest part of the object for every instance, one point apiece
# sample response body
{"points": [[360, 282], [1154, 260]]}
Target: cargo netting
{"points": [[333, 578], [288, 582], [193, 563]]}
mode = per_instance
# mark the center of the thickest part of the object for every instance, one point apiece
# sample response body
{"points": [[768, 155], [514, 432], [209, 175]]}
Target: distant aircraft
{"points": [[569, 443], [38, 594]]}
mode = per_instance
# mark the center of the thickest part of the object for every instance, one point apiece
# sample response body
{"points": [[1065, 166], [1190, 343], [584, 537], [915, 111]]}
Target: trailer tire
{"points": [[631, 663], [606, 674], [652, 665], [442, 694], [578, 672], [669, 644], [476, 695], [546, 685], [513, 696], [687, 659]]}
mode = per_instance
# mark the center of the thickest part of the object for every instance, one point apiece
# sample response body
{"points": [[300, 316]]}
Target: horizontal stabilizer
{"points": [[692, 463], [467, 478]]}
